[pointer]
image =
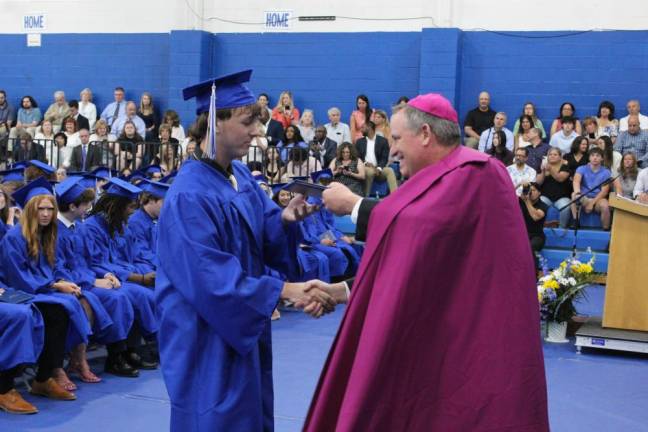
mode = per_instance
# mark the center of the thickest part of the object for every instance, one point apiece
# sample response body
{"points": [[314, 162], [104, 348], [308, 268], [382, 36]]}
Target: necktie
{"points": [[72, 227], [115, 114], [83, 157]]}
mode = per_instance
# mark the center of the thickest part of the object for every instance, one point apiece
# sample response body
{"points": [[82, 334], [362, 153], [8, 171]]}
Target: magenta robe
{"points": [[442, 330]]}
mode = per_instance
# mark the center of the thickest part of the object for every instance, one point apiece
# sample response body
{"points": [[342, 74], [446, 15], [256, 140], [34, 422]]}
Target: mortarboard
{"points": [[22, 164], [157, 189], [260, 178], [302, 178], [152, 169], [103, 173], [118, 187], [230, 92], [169, 179], [89, 181], [40, 186], [325, 173], [13, 174], [42, 166], [277, 187], [70, 189]]}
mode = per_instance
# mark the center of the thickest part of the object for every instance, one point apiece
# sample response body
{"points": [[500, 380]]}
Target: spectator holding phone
{"points": [[348, 168], [285, 111]]}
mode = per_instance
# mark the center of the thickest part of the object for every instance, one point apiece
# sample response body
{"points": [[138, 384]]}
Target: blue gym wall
{"points": [[327, 69]]}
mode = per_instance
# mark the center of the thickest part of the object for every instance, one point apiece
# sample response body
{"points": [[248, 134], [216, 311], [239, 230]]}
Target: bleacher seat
{"points": [[559, 238], [590, 220], [595, 240], [379, 189]]}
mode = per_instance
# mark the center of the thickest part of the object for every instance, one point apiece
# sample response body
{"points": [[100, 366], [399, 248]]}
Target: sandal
{"points": [[86, 376], [63, 380]]}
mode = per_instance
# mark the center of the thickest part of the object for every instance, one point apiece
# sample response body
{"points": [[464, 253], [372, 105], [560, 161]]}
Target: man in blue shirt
{"points": [[29, 117], [130, 114], [586, 180], [116, 109]]}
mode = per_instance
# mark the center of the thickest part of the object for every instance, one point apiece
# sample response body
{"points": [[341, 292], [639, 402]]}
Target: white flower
{"points": [[571, 281], [557, 274], [563, 281]]}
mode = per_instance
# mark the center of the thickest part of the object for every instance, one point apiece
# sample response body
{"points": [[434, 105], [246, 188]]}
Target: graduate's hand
{"points": [[103, 283], [337, 290], [67, 288], [347, 239], [297, 209], [149, 279], [111, 277], [339, 199], [327, 242]]}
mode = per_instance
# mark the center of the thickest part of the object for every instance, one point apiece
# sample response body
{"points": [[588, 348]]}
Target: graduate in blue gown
{"points": [[8, 213], [142, 225], [74, 199], [28, 261], [218, 232], [106, 252]]}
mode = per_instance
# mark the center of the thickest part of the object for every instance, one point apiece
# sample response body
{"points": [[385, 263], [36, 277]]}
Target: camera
{"points": [[526, 189]]}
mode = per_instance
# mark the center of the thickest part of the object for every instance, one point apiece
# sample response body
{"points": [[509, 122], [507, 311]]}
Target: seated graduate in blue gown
{"points": [[142, 225], [28, 261], [313, 264], [22, 334], [75, 196], [218, 234], [105, 250]]}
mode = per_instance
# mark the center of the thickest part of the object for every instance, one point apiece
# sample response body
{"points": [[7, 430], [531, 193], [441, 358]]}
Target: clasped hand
{"points": [[307, 296]]}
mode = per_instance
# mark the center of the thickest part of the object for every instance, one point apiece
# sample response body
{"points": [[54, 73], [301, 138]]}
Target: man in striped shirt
{"points": [[634, 140]]}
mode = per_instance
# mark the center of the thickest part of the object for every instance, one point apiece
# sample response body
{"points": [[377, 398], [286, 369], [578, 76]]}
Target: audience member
{"points": [[359, 117], [130, 116], [45, 134], [274, 166], [586, 185], [264, 100], [29, 117], [402, 101], [537, 150], [478, 120], [374, 151], [307, 125], [607, 124], [172, 119], [381, 120], [130, 148], [567, 109], [27, 149], [530, 110], [611, 158], [640, 192], [499, 150], [564, 137], [107, 143], [578, 154], [555, 186], [525, 123], [7, 115], [591, 129], [285, 112], [322, 147], [273, 129], [634, 139], [87, 155], [60, 154], [335, 130], [348, 169], [146, 112], [521, 173], [71, 129], [60, 174], [87, 108], [486, 137], [624, 184], [534, 211], [291, 139], [81, 121], [634, 109], [57, 111], [300, 163], [115, 109]]}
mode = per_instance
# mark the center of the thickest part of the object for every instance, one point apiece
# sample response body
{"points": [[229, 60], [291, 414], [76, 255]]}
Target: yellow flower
{"points": [[552, 284], [582, 268], [539, 296]]}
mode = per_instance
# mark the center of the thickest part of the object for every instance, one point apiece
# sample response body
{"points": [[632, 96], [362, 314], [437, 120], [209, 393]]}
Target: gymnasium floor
{"points": [[595, 391]]}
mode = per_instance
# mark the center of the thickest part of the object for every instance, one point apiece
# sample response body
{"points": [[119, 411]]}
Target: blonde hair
{"points": [[150, 108], [280, 104], [31, 230]]}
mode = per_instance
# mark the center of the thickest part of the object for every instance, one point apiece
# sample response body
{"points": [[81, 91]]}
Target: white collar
{"points": [[65, 220]]}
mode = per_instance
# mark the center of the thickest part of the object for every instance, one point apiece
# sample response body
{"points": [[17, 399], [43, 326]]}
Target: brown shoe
{"points": [[13, 403], [51, 389]]}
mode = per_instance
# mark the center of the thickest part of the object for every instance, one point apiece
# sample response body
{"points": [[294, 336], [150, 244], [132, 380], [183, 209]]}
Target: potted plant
{"points": [[557, 291]]}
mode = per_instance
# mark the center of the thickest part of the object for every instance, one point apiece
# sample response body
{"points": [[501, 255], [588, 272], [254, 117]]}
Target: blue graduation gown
{"points": [[338, 263], [215, 298], [22, 333], [36, 277], [3, 228], [73, 267], [143, 230], [102, 255]]}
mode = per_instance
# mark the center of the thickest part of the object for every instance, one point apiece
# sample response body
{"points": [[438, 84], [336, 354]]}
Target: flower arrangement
{"points": [[558, 289]]}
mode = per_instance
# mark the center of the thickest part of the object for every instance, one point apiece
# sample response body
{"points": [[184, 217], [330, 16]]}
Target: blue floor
{"points": [[594, 391]]}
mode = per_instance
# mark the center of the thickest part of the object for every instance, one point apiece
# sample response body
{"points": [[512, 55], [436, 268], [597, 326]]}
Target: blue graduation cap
{"points": [[230, 92], [103, 173], [40, 186], [118, 187], [152, 169], [13, 174], [70, 189], [22, 164], [156, 189], [89, 181], [260, 178], [42, 166], [276, 188], [303, 178], [317, 175]]}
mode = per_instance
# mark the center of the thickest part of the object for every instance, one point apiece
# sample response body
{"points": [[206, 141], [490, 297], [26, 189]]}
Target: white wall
{"points": [[159, 16]]}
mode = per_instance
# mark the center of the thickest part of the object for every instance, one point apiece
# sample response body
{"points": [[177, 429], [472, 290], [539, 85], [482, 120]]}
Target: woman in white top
{"points": [[173, 119], [71, 132], [300, 164], [521, 137], [87, 109], [607, 124], [107, 142], [46, 135], [307, 125], [60, 155], [611, 158]]}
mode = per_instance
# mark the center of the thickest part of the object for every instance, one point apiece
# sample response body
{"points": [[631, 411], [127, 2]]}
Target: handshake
{"points": [[315, 297]]}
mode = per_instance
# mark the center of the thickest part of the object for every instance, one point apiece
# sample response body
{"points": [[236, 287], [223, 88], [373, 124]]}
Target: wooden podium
{"points": [[626, 293]]}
